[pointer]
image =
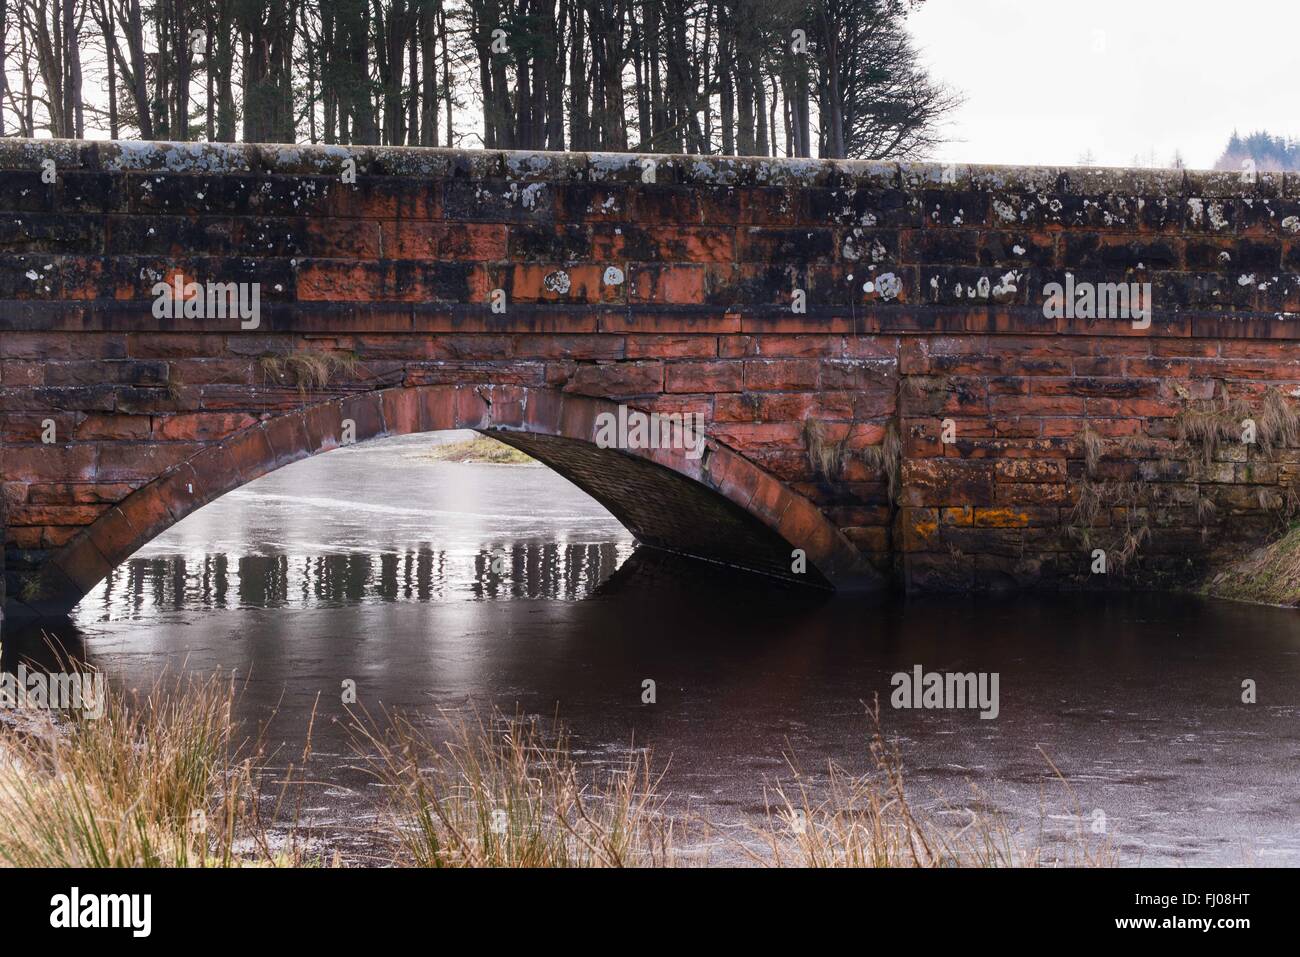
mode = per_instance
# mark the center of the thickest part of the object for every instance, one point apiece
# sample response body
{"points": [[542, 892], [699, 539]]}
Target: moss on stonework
{"points": [[1268, 575]]}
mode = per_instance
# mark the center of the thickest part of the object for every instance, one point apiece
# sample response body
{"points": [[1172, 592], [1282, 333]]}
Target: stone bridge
{"points": [[887, 377]]}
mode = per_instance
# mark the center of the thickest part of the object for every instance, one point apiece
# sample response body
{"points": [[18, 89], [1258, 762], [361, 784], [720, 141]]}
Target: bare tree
{"points": [[760, 77]]}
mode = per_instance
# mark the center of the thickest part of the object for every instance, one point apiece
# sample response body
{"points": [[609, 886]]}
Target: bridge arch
{"points": [[718, 506]]}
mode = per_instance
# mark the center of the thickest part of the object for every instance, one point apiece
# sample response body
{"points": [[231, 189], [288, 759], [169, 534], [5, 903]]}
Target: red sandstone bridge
{"points": [[866, 342]]}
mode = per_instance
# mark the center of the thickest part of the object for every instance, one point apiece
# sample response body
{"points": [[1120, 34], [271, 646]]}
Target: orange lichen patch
{"points": [[1000, 518]]}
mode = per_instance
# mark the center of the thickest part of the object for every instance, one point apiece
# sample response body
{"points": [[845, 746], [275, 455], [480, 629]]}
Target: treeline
{"points": [[833, 78], [1260, 151]]}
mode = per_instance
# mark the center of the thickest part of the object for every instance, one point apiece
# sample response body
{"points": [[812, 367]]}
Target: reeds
{"points": [[499, 793], [869, 820], [155, 782]]}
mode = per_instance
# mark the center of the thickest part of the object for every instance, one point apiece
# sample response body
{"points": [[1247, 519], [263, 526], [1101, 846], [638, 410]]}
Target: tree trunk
{"points": [[428, 72]]}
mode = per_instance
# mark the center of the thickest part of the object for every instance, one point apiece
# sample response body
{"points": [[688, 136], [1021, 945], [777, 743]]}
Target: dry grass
{"points": [[1277, 424], [1093, 447], [1208, 424], [309, 369], [1128, 522], [869, 820], [887, 458], [500, 793], [478, 450], [1270, 575], [156, 782], [159, 781], [825, 455]]}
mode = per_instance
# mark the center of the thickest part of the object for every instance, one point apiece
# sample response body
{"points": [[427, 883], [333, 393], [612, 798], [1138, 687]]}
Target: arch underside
{"points": [[663, 509], [719, 506]]}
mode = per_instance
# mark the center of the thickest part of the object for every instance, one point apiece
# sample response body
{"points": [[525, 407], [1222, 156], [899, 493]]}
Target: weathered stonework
{"points": [[665, 283]]}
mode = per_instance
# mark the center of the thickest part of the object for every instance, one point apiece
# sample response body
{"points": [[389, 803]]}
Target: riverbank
{"points": [[1267, 576], [481, 450]]}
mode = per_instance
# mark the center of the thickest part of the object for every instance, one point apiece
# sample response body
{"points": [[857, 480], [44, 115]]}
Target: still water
{"points": [[437, 585]]}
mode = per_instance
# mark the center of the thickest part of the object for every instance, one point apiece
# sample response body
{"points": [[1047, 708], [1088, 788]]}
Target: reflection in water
{"points": [[48, 646], [524, 570]]}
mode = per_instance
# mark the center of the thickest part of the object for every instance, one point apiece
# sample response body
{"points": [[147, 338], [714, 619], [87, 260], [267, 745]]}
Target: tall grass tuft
{"points": [[868, 820], [159, 781], [498, 793]]}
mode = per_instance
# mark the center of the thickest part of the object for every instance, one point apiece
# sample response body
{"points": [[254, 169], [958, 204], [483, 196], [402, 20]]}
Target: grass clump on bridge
{"points": [[1208, 424], [825, 455], [887, 458], [308, 369]]}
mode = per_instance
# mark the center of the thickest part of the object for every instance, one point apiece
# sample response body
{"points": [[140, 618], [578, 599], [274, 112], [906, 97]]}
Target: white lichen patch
{"points": [[557, 282], [526, 198], [857, 244], [1006, 287]]}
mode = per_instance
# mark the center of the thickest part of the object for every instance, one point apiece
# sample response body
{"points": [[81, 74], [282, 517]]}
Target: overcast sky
{"points": [[1048, 80]]}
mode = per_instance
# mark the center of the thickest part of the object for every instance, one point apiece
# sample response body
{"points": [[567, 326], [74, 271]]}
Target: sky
{"points": [[1047, 81]]}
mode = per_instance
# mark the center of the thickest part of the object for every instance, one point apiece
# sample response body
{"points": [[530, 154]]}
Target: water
{"points": [[376, 565]]}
